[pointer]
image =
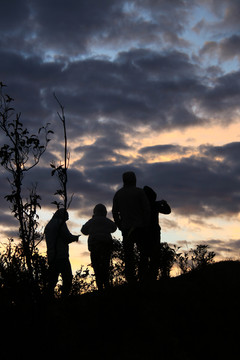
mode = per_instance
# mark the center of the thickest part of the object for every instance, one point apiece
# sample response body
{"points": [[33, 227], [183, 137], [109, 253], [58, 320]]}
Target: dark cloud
{"points": [[196, 185], [226, 49], [226, 13], [163, 89], [165, 149], [225, 248], [205, 185], [221, 101], [13, 15], [68, 28], [139, 87], [8, 221], [223, 30], [230, 47], [46, 27], [228, 152], [103, 151]]}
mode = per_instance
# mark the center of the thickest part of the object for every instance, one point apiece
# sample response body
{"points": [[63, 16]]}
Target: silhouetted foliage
{"points": [[168, 256], [20, 153], [117, 266], [167, 259], [83, 282], [201, 256], [182, 260], [14, 275]]}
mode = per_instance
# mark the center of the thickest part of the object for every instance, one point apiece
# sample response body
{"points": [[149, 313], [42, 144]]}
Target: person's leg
{"points": [[140, 240], [66, 272], [106, 256], [154, 263], [96, 264], [154, 255], [53, 273], [129, 257]]}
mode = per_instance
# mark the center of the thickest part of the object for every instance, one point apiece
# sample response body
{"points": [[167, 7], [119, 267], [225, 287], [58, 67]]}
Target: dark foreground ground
{"points": [[193, 316]]}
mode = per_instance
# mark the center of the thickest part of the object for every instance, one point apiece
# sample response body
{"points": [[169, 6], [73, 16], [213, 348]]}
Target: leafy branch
{"points": [[20, 153]]}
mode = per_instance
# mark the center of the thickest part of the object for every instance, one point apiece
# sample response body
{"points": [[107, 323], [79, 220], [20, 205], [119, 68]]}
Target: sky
{"points": [[147, 86]]}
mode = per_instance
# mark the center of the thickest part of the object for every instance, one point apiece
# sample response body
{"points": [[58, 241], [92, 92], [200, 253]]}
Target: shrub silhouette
{"points": [[117, 275], [182, 260], [22, 152], [201, 256], [167, 258], [14, 275], [83, 282]]}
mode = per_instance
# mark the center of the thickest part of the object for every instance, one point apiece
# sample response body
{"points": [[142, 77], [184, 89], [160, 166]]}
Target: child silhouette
{"points": [[99, 229]]}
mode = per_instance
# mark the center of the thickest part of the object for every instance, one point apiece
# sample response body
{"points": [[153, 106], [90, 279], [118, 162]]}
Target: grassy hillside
{"points": [[192, 316]]}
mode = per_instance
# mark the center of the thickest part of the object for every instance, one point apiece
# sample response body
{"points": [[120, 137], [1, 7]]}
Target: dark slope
{"points": [[193, 316]]}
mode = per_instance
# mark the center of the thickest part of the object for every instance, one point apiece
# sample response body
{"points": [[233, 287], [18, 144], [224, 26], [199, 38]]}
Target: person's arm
{"points": [[67, 235], [163, 207], [85, 228], [116, 213]]}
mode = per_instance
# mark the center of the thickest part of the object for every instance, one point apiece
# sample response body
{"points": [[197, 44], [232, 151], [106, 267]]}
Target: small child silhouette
{"points": [[99, 229]]}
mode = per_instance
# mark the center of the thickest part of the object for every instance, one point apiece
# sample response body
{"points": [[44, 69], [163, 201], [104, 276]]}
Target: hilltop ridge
{"points": [[192, 316]]}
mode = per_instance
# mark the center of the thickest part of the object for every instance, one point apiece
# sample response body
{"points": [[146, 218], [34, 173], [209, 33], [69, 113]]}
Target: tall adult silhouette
{"points": [[131, 213], [153, 248]]}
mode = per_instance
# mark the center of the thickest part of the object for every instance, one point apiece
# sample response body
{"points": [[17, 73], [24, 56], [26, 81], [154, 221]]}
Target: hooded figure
{"points": [[58, 238], [99, 229], [154, 230]]}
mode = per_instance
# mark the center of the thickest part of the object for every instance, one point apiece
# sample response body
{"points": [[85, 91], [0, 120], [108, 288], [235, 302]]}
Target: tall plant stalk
{"points": [[61, 170]]}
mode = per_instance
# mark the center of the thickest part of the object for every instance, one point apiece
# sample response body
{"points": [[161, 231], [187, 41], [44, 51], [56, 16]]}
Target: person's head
{"points": [[100, 210], [129, 178], [61, 214]]}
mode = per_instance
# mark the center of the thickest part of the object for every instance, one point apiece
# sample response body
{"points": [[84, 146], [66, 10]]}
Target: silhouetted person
{"points": [[154, 231], [58, 238], [100, 243], [131, 213]]}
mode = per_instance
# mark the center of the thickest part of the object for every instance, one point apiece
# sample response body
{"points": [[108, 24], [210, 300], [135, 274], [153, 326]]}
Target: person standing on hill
{"points": [[100, 243], [58, 238], [131, 213], [153, 247]]}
